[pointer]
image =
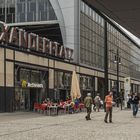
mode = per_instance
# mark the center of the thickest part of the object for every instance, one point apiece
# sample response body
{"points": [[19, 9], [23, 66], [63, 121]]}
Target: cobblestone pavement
{"points": [[34, 126]]}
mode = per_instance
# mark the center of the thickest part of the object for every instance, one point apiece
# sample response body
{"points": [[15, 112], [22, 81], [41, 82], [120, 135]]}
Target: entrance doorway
{"points": [[63, 95], [34, 97], [101, 87], [22, 97], [25, 98]]}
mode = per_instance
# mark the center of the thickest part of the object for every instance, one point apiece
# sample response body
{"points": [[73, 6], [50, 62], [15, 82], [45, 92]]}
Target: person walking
{"points": [[97, 100], [129, 100], [108, 105], [135, 103], [88, 105]]}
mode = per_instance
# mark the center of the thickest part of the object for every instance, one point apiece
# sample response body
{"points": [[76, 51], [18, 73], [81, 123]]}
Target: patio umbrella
{"points": [[75, 90]]}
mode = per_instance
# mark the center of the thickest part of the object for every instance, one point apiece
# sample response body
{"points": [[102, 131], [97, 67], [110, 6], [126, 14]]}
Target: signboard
{"points": [[127, 88], [34, 85], [26, 84], [30, 41]]}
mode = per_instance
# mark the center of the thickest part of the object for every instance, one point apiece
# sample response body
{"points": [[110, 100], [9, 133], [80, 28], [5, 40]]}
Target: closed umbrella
{"points": [[75, 90]]}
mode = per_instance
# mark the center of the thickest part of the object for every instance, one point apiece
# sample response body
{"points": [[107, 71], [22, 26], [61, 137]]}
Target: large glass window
{"points": [[35, 77], [12, 11], [62, 85], [21, 11], [92, 45], [31, 10], [7, 11], [30, 75], [91, 37], [34, 10], [26, 96], [128, 53], [2, 10], [25, 75], [62, 80], [86, 85]]}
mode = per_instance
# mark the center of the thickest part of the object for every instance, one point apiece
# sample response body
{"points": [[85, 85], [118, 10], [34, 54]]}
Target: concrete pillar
{"points": [[96, 83], [51, 79]]}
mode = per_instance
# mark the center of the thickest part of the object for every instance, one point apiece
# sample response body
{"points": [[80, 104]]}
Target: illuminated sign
{"points": [[34, 85], [33, 42], [25, 84]]}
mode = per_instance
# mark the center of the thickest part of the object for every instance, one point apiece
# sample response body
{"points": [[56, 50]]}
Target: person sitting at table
{"points": [[68, 100], [61, 103], [60, 106], [71, 108], [76, 104], [49, 102], [45, 101]]}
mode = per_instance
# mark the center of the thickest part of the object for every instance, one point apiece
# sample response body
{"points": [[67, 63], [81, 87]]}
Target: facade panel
{"points": [[9, 54], [128, 54], [65, 66], [1, 73], [19, 56], [51, 78], [15, 11], [91, 37], [1, 67], [9, 74]]}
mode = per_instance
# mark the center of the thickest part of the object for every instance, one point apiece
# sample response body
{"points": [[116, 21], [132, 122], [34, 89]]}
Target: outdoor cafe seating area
{"points": [[63, 107], [70, 106]]}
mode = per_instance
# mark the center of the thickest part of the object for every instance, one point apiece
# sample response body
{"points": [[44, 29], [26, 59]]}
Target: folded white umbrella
{"points": [[75, 90]]}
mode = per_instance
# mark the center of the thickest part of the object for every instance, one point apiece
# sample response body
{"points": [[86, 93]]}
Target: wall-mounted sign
{"points": [[34, 85], [127, 89], [33, 42], [127, 83], [25, 84]]}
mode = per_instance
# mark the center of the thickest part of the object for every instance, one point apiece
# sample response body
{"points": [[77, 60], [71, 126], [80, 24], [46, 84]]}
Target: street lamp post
{"points": [[117, 61], [105, 62]]}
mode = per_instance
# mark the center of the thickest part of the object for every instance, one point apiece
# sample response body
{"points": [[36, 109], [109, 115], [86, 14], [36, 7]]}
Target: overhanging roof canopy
{"points": [[49, 29], [124, 12]]}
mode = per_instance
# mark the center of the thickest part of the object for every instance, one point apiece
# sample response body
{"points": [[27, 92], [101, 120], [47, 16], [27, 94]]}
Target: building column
{"points": [[2, 92], [51, 83], [9, 87], [105, 60], [109, 86], [96, 84], [9, 81]]}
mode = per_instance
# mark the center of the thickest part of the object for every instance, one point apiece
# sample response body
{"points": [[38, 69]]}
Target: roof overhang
{"points": [[50, 22], [49, 29], [124, 12]]}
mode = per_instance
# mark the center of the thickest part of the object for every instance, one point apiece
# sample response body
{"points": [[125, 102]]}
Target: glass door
{"points": [[22, 99]]}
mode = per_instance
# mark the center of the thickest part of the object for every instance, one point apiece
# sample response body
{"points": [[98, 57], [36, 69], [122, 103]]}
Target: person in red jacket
{"points": [[108, 103]]}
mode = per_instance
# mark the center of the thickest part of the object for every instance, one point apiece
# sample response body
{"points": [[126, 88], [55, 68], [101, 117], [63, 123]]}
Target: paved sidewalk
{"points": [[33, 126], [4, 117]]}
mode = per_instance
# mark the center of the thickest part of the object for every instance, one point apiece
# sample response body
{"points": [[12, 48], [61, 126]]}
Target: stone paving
{"points": [[34, 126]]}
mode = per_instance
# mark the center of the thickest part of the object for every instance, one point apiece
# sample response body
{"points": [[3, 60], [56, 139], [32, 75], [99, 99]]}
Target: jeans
{"points": [[108, 111], [135, 109]]}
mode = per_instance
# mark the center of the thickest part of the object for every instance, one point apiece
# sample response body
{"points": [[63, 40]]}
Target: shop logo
{"points": [[24, 84], [34, 85]]}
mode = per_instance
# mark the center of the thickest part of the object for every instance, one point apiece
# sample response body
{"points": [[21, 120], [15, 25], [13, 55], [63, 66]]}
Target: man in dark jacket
{"points": [[88, 105], [135, 103]]}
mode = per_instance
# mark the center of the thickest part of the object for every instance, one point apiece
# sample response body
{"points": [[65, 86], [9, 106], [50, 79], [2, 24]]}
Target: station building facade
{"points": [[31, 72]]}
